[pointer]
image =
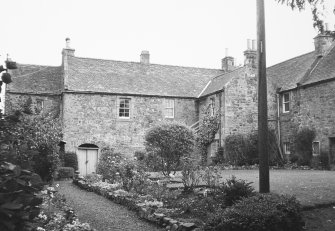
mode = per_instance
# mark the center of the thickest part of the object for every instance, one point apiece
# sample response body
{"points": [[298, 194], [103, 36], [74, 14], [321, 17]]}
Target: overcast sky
{"points": [[175, 32]]}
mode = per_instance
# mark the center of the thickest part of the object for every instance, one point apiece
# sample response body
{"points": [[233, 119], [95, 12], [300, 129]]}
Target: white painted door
{"points": [[87, 160]]}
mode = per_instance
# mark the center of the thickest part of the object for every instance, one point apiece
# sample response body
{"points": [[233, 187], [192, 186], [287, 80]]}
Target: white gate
{"points": [[87, 160]]}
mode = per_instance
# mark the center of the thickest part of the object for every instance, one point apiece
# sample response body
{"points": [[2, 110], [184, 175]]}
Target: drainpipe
{"points": [[220, 111], [278, 119]]}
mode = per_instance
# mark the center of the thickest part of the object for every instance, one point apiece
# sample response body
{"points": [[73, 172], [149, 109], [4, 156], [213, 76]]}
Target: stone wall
{"points": [[52, 103], [241, 104], [312, 107], [93, 118]]}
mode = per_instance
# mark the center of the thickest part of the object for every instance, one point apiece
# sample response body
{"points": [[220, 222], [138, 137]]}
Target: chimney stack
{"points": [[145, 57], [250, 55], [228, 63], [68, 50], [322, 42]]}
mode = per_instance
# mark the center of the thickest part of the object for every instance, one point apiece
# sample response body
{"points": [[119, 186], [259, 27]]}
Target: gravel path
{"points": [[101, 213]]}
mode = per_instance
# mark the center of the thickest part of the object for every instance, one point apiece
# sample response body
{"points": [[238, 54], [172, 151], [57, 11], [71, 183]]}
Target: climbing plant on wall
{"points": [[208, 127]]}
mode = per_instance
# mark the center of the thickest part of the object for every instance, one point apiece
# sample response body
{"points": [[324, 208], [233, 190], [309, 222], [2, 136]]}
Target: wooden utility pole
{"points": [[264, 179]]}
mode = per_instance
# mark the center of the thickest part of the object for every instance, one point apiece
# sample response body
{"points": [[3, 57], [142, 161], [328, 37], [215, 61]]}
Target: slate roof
{"points": [[217, 83], [303, 70], [287, 74], [97, 75], [36, 79], [324, 69]]}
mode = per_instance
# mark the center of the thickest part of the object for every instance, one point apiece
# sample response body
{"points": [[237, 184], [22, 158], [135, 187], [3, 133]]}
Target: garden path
{"points": [[101, 213]]}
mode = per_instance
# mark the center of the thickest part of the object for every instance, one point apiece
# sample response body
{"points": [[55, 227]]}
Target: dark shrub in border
{"points": [[262, 212], [65, 172]]}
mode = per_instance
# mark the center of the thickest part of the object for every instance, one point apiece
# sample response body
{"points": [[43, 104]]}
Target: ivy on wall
{"points": [[208, 127]]}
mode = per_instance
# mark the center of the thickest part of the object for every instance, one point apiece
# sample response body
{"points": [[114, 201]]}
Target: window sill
{"points": [[121, 119]]}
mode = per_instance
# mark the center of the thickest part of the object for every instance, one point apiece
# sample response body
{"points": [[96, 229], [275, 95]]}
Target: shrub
{"points": [[153, 162], [211, 176], [234, 190], [93, 178], [19, 203], [191, 174], [170, 141], [65, 172], [241, 149], [219, 156], [70, 160], [303, 145], [108, 165], [262, 212]]}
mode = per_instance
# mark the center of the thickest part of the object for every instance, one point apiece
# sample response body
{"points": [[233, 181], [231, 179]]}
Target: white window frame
{"points": [[212, 106], [316, 152], [286, 102], [124, 108], [168, 105], [287, 148], [41, 102]]}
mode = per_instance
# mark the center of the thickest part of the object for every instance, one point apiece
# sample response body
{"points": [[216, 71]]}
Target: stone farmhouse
{"points": [[107, 102], [301, 94]]}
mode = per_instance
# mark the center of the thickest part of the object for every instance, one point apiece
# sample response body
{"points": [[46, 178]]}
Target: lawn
{"points": [[309, 186]]}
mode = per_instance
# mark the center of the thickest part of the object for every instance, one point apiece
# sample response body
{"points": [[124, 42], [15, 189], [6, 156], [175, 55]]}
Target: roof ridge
{"points": [[155, 64], [34, 72], [290, 59], [26, 64], [226, 73]]}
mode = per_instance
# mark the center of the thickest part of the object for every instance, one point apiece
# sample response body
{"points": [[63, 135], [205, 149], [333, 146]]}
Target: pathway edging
{"points": [[142, 210]]}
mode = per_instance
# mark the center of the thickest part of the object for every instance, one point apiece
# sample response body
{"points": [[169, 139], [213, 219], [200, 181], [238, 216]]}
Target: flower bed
{"points": [[146, 206], [196, 209], [56, 215]]}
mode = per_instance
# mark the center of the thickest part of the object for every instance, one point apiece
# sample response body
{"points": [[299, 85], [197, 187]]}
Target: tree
{"points": [[317, 8], [169, 141], [32, 141]]}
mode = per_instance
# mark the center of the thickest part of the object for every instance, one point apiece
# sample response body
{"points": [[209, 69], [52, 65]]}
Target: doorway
{"points": [[87, 155]]}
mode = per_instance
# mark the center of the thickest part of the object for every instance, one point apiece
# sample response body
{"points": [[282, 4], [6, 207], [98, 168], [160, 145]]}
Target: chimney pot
{"points": [[254, 45], [226, 52], [68, 50], [248, 44], [145, 57]]}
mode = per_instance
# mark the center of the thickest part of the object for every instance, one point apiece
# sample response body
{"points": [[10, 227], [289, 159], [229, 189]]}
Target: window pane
{"points": [[286, 97], [124, 109], [169, 112], [287, 106]]}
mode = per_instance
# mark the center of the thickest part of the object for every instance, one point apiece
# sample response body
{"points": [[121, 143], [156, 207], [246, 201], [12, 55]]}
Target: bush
{"points": [[170, 141], [19, 203], [93, 178], [219, 156], [70, 160], [241, 149], [108, 165], [65, 172], [234, 190], [262, 212], [191, 174], [303, 145]]}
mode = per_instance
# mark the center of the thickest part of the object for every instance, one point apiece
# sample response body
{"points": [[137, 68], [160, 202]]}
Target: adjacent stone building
{"points": [[301, 94], [113, 103]]}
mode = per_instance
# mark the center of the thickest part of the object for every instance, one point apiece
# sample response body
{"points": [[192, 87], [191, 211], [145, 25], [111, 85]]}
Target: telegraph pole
{"points": [[264, 179]]}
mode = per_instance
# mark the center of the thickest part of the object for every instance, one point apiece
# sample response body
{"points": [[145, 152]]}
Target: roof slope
{"points": [[324, 69], [303, 70], [96, 75], [287, 74], [218, 83], [36, 79]]}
